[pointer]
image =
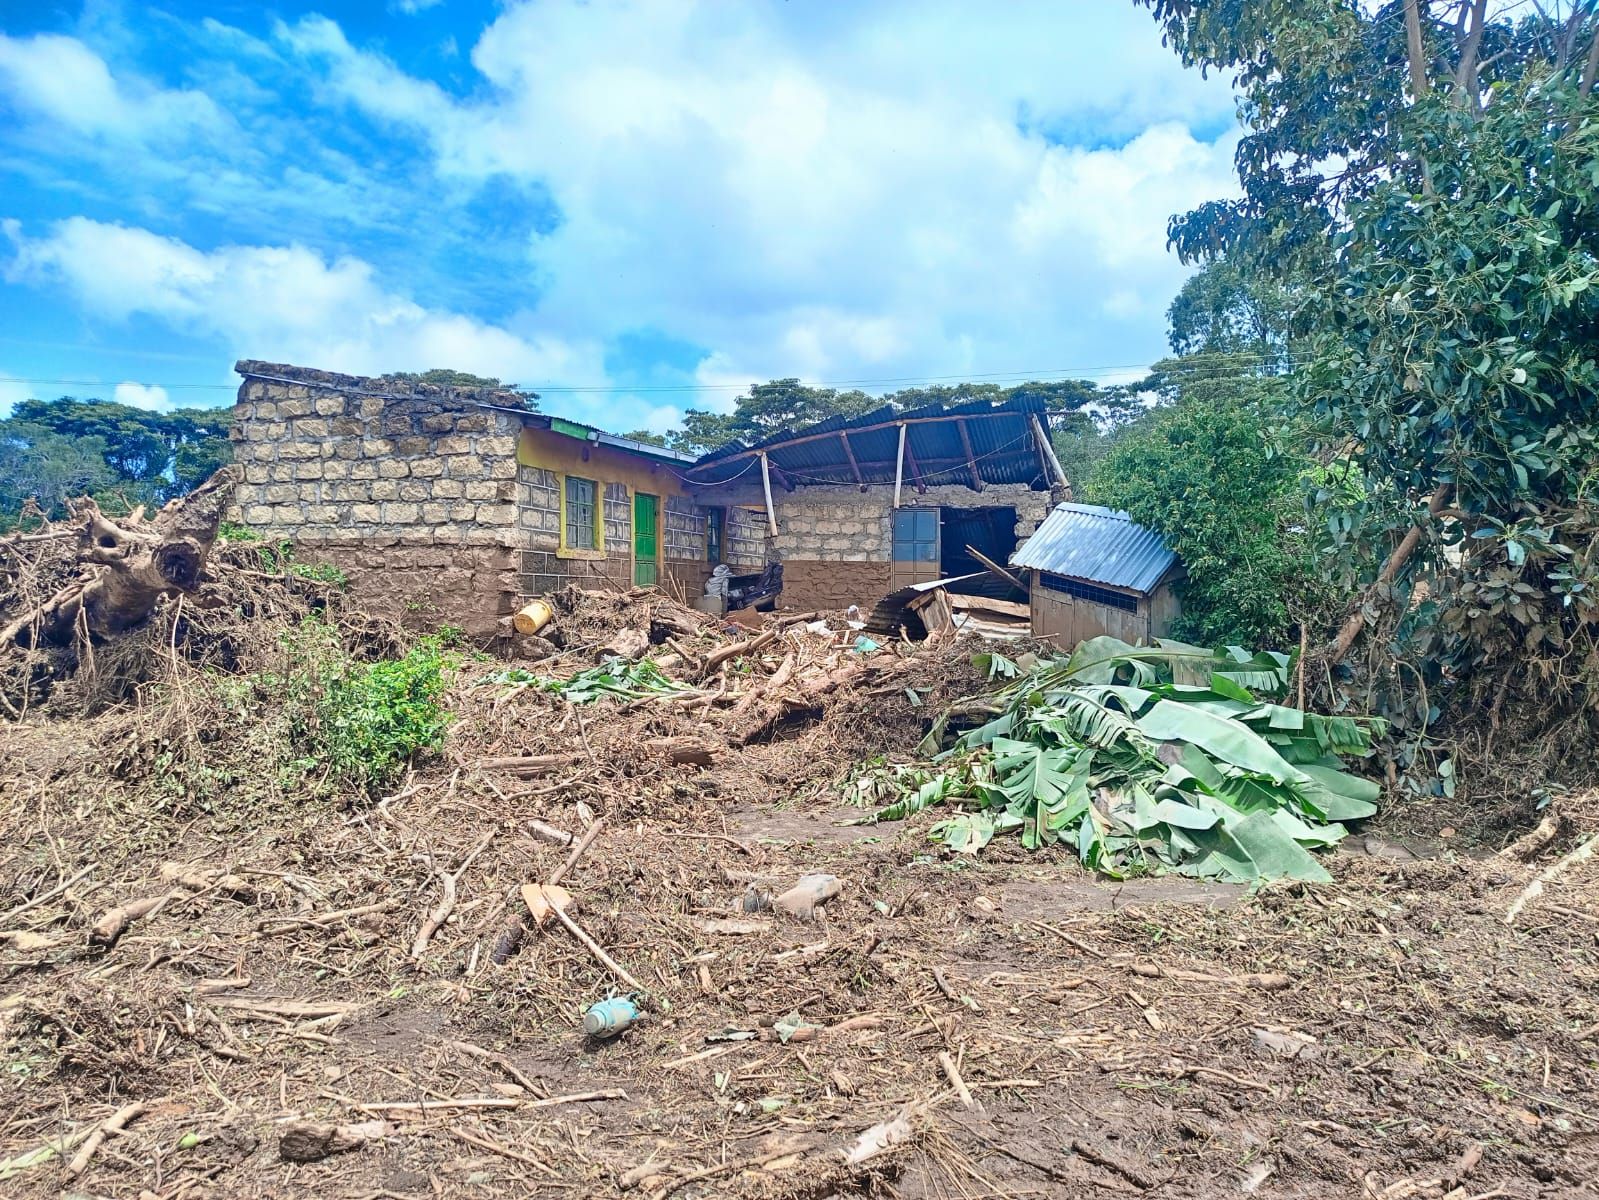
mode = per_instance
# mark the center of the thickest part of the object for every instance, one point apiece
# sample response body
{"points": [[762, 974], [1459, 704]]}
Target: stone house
{"points": [[457, 504]]}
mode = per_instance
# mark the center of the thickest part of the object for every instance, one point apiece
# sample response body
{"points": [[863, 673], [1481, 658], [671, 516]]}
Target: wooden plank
{"points": [[916, 470], [1042, 435], [766, 484], [899, 466], [971, 459], [849, 453], [992, 566], [986, 604]]}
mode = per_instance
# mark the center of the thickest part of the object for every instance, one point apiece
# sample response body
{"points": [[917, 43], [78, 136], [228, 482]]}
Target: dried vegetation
{"points": [[230, 970]]}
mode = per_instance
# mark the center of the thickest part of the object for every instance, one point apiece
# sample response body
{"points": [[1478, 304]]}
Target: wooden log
{"points": [[308, 1141], [683, 750]]}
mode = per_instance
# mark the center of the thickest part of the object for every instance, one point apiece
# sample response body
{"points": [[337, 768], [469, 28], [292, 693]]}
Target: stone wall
{"points": [[835, 541], [408, 488]]}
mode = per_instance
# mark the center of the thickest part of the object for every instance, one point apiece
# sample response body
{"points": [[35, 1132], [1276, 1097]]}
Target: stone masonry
{"points": [[410, 489]]}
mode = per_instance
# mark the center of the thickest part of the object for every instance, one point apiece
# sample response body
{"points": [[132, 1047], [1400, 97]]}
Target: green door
{"points": [[646, 539]]}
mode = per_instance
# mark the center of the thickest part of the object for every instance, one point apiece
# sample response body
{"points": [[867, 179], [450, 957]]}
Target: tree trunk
{"points": [[128, 566]]}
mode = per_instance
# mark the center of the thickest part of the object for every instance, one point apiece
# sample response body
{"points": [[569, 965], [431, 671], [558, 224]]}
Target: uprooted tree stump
{"points": [[126, 567]]}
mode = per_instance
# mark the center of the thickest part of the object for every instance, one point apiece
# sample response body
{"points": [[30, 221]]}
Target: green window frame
{"points": [[580, 522]]}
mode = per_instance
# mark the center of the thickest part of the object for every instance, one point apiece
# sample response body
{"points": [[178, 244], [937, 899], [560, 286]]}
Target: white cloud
{"points": [[62, 81], [285, 303], [862, 194], [151, 397], [411, 7]]}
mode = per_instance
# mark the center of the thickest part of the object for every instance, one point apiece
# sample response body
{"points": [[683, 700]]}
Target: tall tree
{"points": [[1427, 176], [767, 409]]}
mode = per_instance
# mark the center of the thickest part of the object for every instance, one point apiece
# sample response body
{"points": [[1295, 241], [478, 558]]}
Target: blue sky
{"points": [[632, 206]]}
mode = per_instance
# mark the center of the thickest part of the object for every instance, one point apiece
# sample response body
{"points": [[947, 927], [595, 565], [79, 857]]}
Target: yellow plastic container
{"points": [[532, 618]]}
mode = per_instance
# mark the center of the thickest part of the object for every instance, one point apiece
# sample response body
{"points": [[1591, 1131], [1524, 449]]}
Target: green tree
{"points": [[1224, 308], [151, 456], [1204, 469], [767, 409], [1425, 177], [47, 467], [647, 437]]}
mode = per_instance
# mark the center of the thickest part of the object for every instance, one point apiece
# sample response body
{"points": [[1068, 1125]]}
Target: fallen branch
{"points": [[596, 950], [441, 913], [108, 930], [1267, 982], [112, 1124], [1549, 874], [1390, 572], [726, 653], [1102, 1158], [952, 1073], [46, 897], [589, 835]]}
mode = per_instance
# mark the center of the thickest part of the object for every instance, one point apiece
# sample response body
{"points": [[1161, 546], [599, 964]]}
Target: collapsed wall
{"points": [[410, 489], [836, 542]]}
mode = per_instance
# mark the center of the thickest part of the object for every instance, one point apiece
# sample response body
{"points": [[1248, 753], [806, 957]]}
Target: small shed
{"points": [[1097, 571]]}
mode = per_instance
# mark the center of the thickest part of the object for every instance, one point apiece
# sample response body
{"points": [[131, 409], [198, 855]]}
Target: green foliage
{"points": [[1436, 216], [445, 377], [361, 723], [615, 678], [787, 404], [1224, 309], [646, 436], [55, 449], [1205, 474], [1165, 758]]}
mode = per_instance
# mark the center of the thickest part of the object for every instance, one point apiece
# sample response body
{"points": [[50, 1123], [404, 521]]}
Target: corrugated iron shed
{"points": [[1097, 545], [1000, 436]]}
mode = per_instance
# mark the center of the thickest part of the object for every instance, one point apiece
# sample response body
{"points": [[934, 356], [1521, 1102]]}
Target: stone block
{"points": [[400, 514], [435, 513], [256, 473], [311, 427], [258, 514], [448, 489], [464, 466], [287, 514], [462, 510], [415, 489], [393, 468], [438, 423], [496, 514], [364, 469], [347, 450], [294, 408], [427, 468], [308, 470], [473, 422], [480, 490], [281, 493], [371, 406], [336, 468], [500, 468], [345, 427], [329, 406], [281, 473], [385, 489], [295, 451], [413, 447], [376, 447], [497, 444], [324, 514], [265, 410]]}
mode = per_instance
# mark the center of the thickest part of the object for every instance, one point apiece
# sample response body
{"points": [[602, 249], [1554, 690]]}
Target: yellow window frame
{"points": [[563, 549]]}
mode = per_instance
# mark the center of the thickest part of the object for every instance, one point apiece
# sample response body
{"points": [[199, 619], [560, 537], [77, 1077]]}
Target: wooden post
{"points": [[849, 453], [899, 465], [971, 459], [766, 483], [1048, 451]]}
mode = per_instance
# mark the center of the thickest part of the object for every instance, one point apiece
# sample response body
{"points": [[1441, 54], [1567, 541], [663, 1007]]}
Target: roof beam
{"points": [[1048, 451], [849, 453], [971, 459], [777, 474], [816, 437], [916, 471]]}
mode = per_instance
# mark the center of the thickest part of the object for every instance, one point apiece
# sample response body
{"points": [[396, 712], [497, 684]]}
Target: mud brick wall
{"points": [[817, 583], [744, 539], [410, 489]]}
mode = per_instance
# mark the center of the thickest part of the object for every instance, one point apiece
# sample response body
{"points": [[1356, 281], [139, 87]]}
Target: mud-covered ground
{"points": [[1390, 1035]]}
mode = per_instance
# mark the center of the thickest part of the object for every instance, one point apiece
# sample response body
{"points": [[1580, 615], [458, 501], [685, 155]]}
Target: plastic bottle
{"points": [[609, 1017]]}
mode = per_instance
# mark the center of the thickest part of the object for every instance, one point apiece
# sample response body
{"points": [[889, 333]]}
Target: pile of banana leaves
{"points": [[615, 678], [1143, 760]]}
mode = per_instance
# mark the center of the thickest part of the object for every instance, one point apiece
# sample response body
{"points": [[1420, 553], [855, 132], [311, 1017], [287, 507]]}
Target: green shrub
{"points": [[362, 722]]}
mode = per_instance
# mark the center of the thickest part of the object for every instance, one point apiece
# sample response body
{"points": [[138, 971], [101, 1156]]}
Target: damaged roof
{"points": [[943, 444], [1097, 545]]}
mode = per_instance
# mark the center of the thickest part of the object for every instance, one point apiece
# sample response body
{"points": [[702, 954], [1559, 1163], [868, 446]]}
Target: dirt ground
{"points": [[1021, 1028]]}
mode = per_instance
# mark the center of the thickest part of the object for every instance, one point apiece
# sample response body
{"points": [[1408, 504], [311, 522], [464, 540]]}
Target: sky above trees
{"points": [[633, 208]]}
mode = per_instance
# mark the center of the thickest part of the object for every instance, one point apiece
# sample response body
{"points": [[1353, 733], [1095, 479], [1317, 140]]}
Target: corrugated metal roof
{"points": [[1001, 436], [1098, 545]]}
